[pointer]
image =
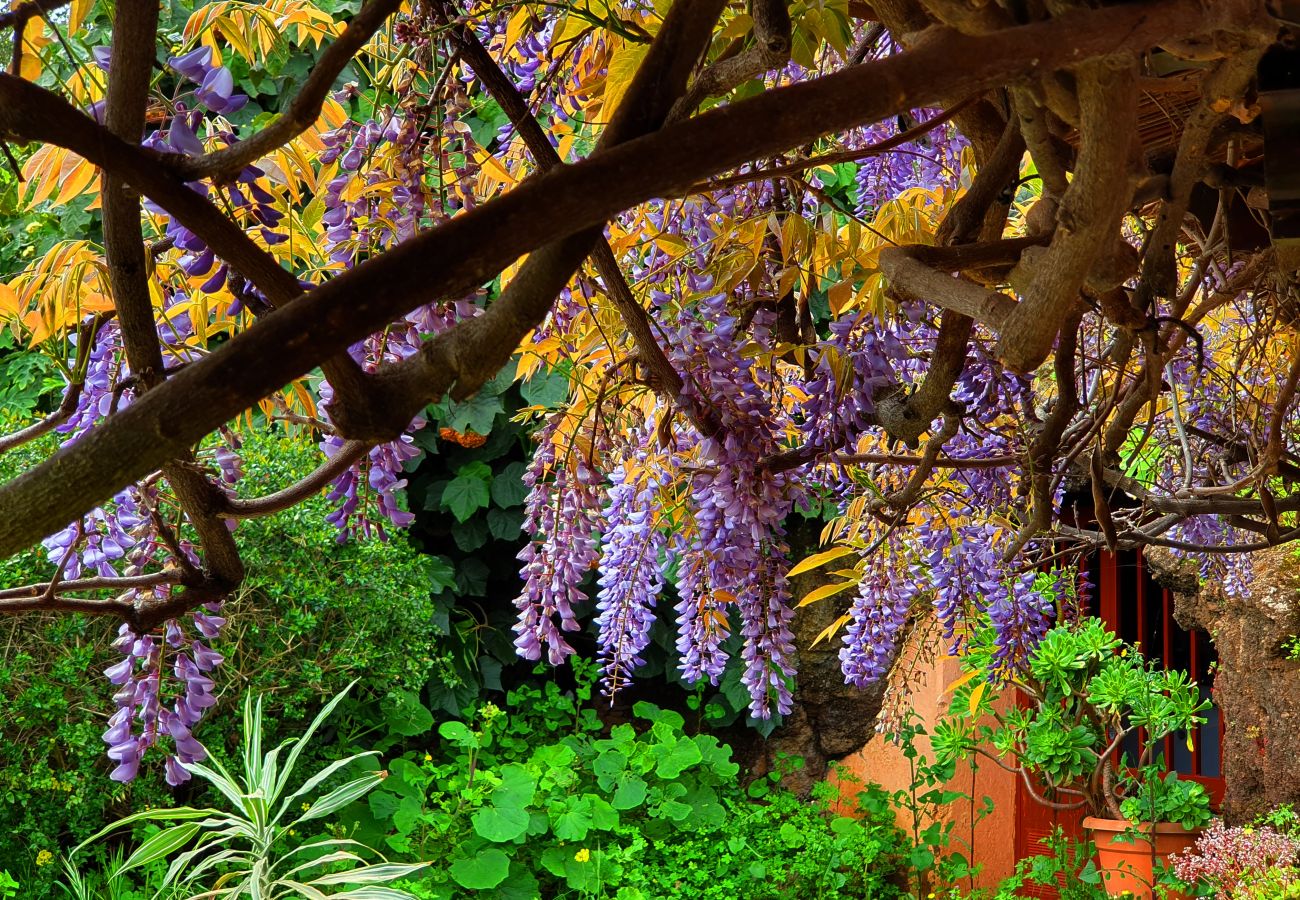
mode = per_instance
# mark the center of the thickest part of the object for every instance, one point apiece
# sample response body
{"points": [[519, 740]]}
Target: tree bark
{"points": [[1256, 687]]}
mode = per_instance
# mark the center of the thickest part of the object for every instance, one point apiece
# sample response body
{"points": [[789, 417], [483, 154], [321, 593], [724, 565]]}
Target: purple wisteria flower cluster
{"points": [[163, 680]]}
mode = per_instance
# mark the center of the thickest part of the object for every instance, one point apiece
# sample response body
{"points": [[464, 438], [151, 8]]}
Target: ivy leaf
{"points": [[475, 414], [464, 496], [471, 535], [486, 869], [548, 388], [505, 524], [472, 577], [508, 488]]}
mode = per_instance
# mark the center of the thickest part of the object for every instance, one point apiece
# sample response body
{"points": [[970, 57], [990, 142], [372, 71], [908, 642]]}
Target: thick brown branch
{"points": [[35, 114], [1228, 79], [912, 279], [135, 37], [830, 159], [462, 253], [771, 48], [1090, 214]]}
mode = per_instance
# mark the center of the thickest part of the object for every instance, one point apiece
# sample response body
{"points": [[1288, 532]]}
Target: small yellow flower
{"points": [[33, 227], [428, 758], [44, 858], [582, 855], [306, 806]]}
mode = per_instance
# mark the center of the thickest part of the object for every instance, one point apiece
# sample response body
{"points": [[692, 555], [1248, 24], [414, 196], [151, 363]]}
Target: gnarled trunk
{"points": [[1256, 687]]}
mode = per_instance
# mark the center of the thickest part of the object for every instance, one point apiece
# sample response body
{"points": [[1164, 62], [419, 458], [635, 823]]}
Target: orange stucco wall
{"points": [[882, 762]]}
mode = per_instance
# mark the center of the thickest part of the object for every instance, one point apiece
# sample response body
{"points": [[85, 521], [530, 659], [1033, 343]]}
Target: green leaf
{"points": [[500, 824], [160, 846], [630, 794], [675, 758], [405, 714], [459, 734], [505, 524], [521, 885], [486, 869], [548, 388], [341, 796], [516, 788], [573, 820], [465, 495], [475, 414], [470, 536], [508, 488]]}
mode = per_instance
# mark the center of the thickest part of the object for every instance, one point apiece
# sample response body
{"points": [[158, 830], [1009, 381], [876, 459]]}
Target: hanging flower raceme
{"points": [[630, 577], [563, 513]]}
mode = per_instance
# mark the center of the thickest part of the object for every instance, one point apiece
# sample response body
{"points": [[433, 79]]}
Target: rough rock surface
{"points": [[1257, 687], [830, 719]]}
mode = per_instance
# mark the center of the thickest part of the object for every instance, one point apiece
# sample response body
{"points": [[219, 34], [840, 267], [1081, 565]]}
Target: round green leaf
{"points": [[486, 869]]}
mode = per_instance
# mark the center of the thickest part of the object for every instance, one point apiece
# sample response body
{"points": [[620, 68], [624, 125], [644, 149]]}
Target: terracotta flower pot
{"points": [[1129, 866]]}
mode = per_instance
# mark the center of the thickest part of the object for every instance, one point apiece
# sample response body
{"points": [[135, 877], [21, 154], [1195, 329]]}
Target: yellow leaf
{"points": [[76, 181], [10, 304], [622, 67], [962, 680], [840, 296], [976, 696], [829, 631], [826, 590], [77, 14], [515, 27], [818, 559], [492, 167], [33, 41]]}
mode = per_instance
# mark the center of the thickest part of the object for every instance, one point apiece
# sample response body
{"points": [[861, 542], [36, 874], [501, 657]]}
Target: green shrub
{"points": [[313, 616], [542, 800]]}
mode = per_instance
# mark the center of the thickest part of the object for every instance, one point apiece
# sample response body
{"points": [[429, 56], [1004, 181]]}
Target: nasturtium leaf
{"points": [[500, 823], [404, 714], [630, 793], [486, 869], [516, 788], [520, 885]]}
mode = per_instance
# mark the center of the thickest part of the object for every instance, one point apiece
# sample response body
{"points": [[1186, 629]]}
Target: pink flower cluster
{"points": [[1226, 857]]}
